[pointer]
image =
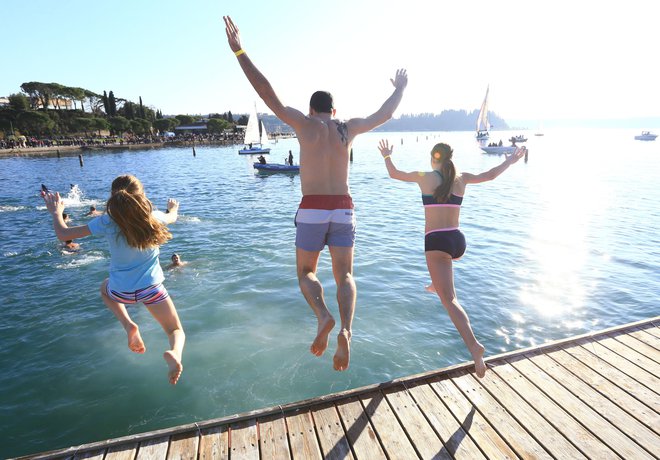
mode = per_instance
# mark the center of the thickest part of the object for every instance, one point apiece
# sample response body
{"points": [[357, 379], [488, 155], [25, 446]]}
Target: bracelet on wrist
{"points": [[387, 156], [239, 52]]}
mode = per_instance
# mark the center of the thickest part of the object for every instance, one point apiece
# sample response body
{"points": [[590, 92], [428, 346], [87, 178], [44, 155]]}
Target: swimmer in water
{"points": [[176, 262]]}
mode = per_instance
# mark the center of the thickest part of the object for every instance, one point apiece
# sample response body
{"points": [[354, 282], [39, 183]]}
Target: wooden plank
{"points": [[631, 355], [563, 422], [302, 436], [90, 455], [214, 443], [636, 431], [394, 440], [425, 441], [644, 336], [588, 417], [243, 443], [507, 426], [273, 438], [183, 446], [547, 435], [458, 443], [624, 365], [122, 452], [333, 440], [154, 449], [609, 389], [488, 440], [359, 430], [640, 347], [653, 330], [631, 386]]}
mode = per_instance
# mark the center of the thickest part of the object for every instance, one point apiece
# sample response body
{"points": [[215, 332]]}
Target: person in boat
{"points": [[325, 215], [500, 143], [290, 158], [134, 233], [262, 159], [442, 190]]}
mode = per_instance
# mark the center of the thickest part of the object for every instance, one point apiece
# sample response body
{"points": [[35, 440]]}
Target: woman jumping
{"points": [[442, 195]]}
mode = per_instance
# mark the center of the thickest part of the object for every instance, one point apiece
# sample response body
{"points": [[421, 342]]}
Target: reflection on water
{"points": [[556, 247]]}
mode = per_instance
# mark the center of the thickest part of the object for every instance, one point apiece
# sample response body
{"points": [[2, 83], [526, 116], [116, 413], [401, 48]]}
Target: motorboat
{"points": [[499, 149], [646, 136], [276, 167]]}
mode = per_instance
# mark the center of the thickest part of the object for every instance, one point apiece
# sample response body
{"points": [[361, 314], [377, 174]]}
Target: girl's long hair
{"points": [[131, 210], [442, 153]]}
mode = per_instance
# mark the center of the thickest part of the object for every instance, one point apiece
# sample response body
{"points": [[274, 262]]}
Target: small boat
{"points": [[276, 167], [499, 150], [482, 120], [646, 136], [518, 139], [255, 136]]}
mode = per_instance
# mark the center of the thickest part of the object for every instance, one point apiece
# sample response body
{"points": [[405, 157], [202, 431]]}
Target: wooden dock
{"points": [[594, 396]]}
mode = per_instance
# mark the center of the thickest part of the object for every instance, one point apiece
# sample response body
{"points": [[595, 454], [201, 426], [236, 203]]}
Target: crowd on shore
{"points": [[26, 143]]}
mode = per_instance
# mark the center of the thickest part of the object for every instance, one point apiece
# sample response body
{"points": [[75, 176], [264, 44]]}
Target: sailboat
{"points": [[482, 120], [255, 135]]}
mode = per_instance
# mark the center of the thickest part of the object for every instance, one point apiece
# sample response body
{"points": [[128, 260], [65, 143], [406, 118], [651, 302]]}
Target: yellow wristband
{"points": [[386, 157], [239, 52]]}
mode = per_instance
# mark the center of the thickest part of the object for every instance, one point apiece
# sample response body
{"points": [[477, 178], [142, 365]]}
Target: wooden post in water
{"points": [[58, 153], [80, 159], [351, 158], [194, 154]]}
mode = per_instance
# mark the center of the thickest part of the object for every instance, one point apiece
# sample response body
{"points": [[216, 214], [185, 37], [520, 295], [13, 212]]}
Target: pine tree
{"points": [[112, 104], [106, 106]]}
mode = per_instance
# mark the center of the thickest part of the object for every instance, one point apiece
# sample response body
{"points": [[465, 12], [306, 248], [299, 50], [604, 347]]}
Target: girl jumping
{"points": [[134, 232]]}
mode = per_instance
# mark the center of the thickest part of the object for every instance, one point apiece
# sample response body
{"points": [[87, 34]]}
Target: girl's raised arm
{"points": [[497, 170], [386, 150], [55, 207]]}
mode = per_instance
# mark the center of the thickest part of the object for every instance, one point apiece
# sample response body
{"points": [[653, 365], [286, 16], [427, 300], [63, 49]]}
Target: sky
{"points": [[543, 60]]}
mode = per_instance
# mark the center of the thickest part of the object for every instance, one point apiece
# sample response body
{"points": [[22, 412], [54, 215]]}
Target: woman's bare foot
{"points": [[320, 343], [343, 353], [135, 343], [478, 357], [175, 367]]}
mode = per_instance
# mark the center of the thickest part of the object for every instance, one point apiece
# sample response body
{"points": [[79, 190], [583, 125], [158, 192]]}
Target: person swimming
{"points": [[176, 262]]}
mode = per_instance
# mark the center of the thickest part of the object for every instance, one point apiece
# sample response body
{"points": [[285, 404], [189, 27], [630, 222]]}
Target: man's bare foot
{"points": [[430, 288], [174, 363], [135, 343], [321, 341], [343, 353], [478, 357]]}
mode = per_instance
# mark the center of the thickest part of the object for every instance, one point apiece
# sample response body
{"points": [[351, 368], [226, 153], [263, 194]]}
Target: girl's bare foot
{"points": [[478, 357], [174, 364], [343, 353], [135, 343], [321, 341]]}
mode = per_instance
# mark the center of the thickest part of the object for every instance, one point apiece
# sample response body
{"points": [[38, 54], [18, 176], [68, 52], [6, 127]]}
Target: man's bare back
{"points": [[324, 151]]}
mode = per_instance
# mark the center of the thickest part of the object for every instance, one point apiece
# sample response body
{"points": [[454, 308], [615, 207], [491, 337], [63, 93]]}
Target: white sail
{"points": [[252, 129], [482, 120], [264, 134]]}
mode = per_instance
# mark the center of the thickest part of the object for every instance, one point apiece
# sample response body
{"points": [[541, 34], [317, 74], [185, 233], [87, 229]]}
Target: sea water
{"points": [[561, 245]]}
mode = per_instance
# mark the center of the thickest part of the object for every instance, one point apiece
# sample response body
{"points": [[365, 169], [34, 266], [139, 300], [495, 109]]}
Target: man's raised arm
{"points": [[258, 81], [362, 125]]}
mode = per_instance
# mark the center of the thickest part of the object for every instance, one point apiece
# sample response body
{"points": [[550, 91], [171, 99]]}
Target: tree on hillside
{"points": [[106, 104], [112, 104], [34, 123], [217, 125], [185, 119], [19, 102], [100, 124], [118, 124], [242, 120]]}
